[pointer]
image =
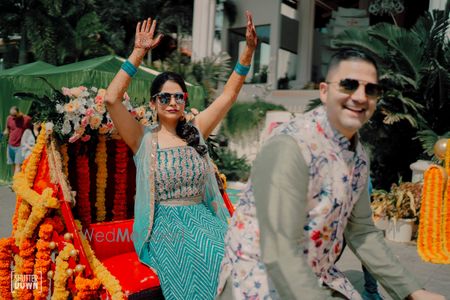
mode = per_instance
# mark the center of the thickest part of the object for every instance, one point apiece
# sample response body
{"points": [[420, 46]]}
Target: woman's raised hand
{"points": [[145, 32], [250, 34]]}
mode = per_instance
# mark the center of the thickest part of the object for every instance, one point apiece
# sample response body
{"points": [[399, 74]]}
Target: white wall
{"points": [[264, 12]]}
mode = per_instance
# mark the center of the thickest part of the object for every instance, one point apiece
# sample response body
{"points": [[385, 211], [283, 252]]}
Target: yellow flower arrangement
{"points": [[60, 291], [102, 175]]}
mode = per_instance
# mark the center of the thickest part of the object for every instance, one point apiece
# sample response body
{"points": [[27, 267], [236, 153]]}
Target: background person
{"points": [[16, 123], [29, 139]]}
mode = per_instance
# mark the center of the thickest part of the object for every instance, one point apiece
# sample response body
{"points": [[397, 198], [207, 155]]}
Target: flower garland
{"points": [[87, 288], [26, 252], [60, 291], [429, 242], [65, 159], [120, 181], [5, 267], [43, 260], [110, 282], [102, 175], [446, 208], [30, 216], [83, 187], [33, 161]]}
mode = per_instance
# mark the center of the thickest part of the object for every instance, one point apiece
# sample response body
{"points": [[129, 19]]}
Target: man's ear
{"points": [[323, 92]]}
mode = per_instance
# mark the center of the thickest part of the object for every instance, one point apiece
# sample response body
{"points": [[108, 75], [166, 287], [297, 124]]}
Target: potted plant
{"points": [[400, 206]]}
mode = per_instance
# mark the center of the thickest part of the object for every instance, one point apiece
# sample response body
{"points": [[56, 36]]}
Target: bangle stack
{"points": [[241, 70], [129, 68]]}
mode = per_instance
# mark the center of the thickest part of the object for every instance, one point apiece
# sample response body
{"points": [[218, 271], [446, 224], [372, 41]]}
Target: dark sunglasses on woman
{"points": [[349, 86], [164, 98]]}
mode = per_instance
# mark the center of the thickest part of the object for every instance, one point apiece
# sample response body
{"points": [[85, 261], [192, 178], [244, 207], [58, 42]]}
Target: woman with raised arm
{"points": [[180, 217]]}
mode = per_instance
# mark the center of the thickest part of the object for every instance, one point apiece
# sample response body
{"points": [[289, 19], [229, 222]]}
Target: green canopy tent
{"points": [[96, 72]]}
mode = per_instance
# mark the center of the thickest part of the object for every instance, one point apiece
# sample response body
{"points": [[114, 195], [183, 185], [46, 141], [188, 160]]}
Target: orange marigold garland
{"points": [[26, 266], [430, 246], [120, 181], [102, 175], [87, 288], [83, 187], [5, 267], [43, 260], [446, 209]]}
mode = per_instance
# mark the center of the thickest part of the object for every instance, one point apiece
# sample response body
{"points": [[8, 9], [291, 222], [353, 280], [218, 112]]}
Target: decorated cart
{"points": [[72, 226]]}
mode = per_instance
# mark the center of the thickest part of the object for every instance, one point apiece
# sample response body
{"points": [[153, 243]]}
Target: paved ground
{"points": [[434, 277]]}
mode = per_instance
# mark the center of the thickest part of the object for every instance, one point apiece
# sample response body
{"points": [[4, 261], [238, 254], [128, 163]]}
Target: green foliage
{"points": [[244, 116], [414, 69], [207, 73], [235, 168], [62, 32]]}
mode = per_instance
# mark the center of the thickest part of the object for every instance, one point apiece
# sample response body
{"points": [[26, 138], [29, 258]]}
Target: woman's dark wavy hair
{"points": [[187, 131]]}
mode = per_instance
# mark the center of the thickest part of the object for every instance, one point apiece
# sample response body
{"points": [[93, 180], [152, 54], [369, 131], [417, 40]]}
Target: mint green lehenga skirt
{"points": [[186, 248]]}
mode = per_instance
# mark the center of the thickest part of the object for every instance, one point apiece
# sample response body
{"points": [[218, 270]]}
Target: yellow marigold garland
{"points": [[35, 156], [102, 175], [430, 246], [39, 206], [65, 159], [5, 268], [60, 291]]}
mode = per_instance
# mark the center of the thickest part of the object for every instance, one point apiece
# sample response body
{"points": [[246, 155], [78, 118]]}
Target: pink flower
{"points": [[98, 99], [89, 112], [86, 138], [74, 138], [75, 92], [82, 88], [84, 121], [66, 91]]}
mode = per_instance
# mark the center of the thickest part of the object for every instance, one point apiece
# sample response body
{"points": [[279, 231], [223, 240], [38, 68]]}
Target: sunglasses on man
{"points": [[164, 98], [349, 86]]}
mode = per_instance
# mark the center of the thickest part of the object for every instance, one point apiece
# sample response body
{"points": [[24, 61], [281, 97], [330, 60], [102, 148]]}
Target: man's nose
{"points": [[360, 94]]}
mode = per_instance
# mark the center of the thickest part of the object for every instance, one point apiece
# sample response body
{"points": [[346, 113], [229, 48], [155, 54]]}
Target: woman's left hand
{"points": [[250, 34]]}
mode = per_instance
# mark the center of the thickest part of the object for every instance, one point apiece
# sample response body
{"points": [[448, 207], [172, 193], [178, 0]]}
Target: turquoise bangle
{"points": [[129, 68], [241, 70]]}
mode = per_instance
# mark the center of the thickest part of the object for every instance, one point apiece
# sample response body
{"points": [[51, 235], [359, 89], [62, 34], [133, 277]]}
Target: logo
{"points": [[26, 281]]}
